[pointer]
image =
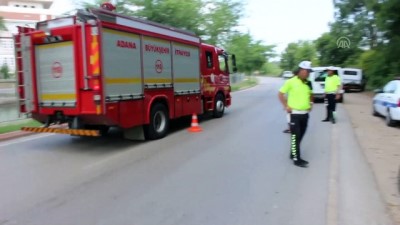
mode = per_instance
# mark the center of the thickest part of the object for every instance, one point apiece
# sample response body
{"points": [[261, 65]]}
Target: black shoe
{"points": [[303, 161], [325, 120], [287, 131], [299, 163]]}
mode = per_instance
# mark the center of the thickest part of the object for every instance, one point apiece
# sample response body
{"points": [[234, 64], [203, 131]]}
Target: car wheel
{"points": [[159, 122], [219, 106], [341, 99], [374, 112], [389, 121]]}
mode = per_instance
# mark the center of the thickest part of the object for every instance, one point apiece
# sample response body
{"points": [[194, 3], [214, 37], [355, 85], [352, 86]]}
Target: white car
{"points": [[287, 74], [317, 78], [353, 79], [387, 102]]}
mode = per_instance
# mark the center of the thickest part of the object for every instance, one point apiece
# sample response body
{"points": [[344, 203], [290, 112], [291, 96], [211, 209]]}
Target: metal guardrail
{"points": [[11, 81], [236, 78], [8, 102]]}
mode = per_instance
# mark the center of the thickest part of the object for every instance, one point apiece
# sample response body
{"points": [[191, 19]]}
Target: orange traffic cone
{"points": [[194, 127]]}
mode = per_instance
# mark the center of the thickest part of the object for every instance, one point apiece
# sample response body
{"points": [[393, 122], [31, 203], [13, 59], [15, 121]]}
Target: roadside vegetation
{"points": [[11, 126], [364, 34], [249, 81]]}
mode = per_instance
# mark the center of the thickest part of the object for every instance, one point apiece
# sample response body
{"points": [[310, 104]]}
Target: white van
{"points": [[317, 78], [353, 79], [287, 74]]}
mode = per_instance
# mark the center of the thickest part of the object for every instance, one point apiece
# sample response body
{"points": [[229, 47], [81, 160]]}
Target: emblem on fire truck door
{"points": [[56, 70], [212, 78], [159, 66]]}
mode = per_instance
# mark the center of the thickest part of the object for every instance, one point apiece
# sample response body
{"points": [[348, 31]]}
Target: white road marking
{"points": [[20, 140], [332, 207]]}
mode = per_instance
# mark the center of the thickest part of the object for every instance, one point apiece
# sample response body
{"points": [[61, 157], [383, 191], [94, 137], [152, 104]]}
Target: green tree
{"points": [[297, 52], [5, 71], [271, 68], [183, 14], [288, 57], [251, 54], [220, 19], [2, 25], [331, 54], [376, 47], [360, 16], [306, 51], [213, 20]]}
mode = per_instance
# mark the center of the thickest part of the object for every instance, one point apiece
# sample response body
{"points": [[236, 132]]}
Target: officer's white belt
{"points": [[299, 112]]}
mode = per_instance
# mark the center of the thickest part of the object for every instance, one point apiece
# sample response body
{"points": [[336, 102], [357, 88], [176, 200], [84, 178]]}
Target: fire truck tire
{"points": [[159, 122], [219, 106]]}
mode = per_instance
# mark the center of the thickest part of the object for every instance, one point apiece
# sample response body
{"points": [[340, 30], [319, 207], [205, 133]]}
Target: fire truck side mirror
{"points": [[234, 69]]}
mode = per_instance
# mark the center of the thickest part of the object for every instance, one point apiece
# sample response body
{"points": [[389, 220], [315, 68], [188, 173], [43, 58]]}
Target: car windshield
{"points": [[320, 75], [347, 72]]}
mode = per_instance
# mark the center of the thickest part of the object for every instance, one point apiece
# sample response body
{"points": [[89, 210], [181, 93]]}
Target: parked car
{"points": [[387, 102], [353, 79], [287, 74], [317, 78]]}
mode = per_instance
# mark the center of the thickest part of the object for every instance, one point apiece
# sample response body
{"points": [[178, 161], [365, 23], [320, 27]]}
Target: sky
{"points": [[274, 22]]}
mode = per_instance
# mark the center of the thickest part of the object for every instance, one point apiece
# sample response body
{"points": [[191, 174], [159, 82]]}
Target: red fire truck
{"points": [[99, 69]]}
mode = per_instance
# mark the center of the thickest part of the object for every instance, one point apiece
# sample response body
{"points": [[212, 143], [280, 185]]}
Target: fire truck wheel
{"points": [[159, 122], [219, 106]]}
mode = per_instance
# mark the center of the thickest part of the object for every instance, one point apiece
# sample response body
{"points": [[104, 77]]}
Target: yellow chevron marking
{"points": [[62, 131]]}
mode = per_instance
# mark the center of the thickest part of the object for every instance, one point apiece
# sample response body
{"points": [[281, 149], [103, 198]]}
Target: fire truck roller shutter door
{"points": [[122, 65], [157, 63], [56, 74], [186, 68]]}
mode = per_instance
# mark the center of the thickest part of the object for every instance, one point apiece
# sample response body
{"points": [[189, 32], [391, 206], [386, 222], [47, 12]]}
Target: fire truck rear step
{"points": [[77, 132]]}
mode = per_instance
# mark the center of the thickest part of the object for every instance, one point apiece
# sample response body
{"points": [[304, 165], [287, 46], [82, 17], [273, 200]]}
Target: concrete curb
{"points": [[14, 135], [18, 134]]}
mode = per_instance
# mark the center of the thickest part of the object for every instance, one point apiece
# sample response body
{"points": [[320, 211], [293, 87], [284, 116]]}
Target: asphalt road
{"points": [[235, 172]]}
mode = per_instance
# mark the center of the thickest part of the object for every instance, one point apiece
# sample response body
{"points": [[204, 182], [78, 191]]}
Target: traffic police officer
{"points": [[332, 93], [298, 103]]}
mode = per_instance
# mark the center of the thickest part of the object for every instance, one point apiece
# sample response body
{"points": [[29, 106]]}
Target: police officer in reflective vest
{"points": [[332, 93], [298, 103]]}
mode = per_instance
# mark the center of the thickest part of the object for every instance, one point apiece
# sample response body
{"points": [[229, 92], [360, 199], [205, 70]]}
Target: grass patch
{"points": [[246, 83], [16, 125]]}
